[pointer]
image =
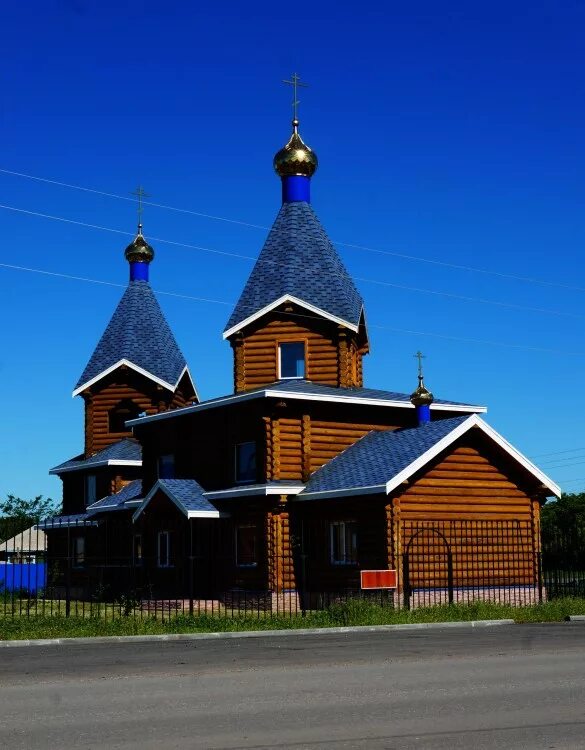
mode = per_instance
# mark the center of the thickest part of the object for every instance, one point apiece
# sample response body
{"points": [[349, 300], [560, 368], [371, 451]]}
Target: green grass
{"points": [[354, 612]]}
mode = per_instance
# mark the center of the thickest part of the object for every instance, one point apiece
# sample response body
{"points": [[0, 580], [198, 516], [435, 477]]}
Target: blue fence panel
{"points": [[23, 577]]}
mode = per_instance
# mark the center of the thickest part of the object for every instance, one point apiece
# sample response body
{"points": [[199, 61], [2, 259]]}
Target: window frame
{"points": [[159, 463], [343, 523], [77, 555], [279, 345], [168, 563], [237, 480], [137, 556], [237, 528], [86, 489]]}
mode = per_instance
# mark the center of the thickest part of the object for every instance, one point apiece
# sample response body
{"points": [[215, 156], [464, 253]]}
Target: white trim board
{"points": [[472, 421], [272, 393], [141, 371], [265, 489], [297, 301]]}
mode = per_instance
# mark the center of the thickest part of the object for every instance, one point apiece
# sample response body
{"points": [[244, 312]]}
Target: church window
{"points": [[343, 542], [164, 558], [166, 466], [246, 462], [291, 359], [246, 546], [90, 489], [79, 552], [120, 414]]}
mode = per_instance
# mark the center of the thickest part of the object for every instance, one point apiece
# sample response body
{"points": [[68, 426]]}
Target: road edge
{"points": [[250, 633]]}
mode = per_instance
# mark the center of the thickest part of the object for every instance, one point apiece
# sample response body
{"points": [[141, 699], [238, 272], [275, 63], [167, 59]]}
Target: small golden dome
{"points": [[422, 396], [296, 158], [139, 251]]}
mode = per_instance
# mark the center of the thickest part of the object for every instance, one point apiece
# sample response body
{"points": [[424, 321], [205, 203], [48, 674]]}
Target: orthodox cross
{"points": [[140, 194], [420, 356], [295, 82]]}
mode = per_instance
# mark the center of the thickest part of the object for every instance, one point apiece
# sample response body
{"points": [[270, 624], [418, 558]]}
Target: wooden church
{"points": [[302, 478]]}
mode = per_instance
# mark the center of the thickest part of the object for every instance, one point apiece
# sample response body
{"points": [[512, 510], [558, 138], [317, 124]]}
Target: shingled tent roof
{"points": [[138, 336], [298, 262]]}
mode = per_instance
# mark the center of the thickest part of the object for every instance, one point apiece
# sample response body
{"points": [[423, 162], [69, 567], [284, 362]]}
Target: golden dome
{"points": [[296, 158], [139, 251], [422, 396]]}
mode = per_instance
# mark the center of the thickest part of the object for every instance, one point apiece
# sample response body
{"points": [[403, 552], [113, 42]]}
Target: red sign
{"points": [[378, 579]]}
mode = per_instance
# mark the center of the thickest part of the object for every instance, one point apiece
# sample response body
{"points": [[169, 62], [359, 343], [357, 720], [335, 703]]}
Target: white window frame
{"points": [[78, 555], [90, 480], [168, 563], [236, 446], [159, 464], [245, 526], [292, 377], [332, 526], [137, 559]]}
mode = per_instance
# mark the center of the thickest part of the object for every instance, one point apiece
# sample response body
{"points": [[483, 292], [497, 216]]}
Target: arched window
{"points": [[120, 414]]}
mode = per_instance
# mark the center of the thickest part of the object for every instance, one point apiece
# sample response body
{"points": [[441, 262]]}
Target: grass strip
{"points": [[356, 612]]}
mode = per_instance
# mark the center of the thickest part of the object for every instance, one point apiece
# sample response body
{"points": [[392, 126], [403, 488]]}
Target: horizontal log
{"points": [[418, 489], [483, 476], [445, 516], [472, 483], [475, 468], [466, 451], [465, 459], [452, 507]]}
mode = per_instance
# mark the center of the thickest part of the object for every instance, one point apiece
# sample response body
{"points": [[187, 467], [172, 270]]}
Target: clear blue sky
{"points": [[448, 131]]}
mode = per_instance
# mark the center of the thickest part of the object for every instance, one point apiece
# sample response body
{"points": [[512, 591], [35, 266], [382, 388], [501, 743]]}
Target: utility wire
{"points": [[354, 246], [410, 332], [298, 269]]}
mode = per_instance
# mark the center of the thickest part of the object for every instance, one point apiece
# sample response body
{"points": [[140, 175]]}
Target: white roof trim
{"points": [[269, 393], [205, 514], [136, 368], [472, 421], [340, 399], [296, 301], [266, 489], [96, 465], [188, 513]]}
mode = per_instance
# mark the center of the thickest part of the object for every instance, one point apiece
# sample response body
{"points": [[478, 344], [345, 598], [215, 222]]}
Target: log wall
{"points": [[333, 356]]}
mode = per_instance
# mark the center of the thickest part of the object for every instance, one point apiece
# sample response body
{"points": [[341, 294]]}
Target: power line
{"points": [[556, 453], [410, 332], [354, 246], [241, 256]]}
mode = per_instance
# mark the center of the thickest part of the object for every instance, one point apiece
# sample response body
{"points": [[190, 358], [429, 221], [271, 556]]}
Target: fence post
{"points": [[539, 574], [68, 575], [450, 575], [405, 581]]}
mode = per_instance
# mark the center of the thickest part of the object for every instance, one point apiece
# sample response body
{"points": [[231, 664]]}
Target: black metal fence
{"points": [[61, 571]]}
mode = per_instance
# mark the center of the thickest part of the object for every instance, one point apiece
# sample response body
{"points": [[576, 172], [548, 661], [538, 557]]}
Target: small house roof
{"points": [[186, 494], [32, 539], [126, 452], [127, 497]]}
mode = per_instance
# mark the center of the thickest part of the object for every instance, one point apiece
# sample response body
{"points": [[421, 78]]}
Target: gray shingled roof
{"points": [[123, 450], [132, 492], [298, 259], [139, 333], [378, 457], [62, 522], [187, 494], [318, 389]]}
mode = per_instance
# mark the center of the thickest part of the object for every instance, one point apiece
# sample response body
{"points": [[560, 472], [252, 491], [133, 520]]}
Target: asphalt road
{"points": [[504, 687]]}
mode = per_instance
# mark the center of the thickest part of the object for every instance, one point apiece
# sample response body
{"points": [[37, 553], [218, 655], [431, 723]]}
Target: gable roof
{"points": [[139, 337], [298, 263], [186, 494], [308, 391], [127, 497], [126, 452], [381, 461]]}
